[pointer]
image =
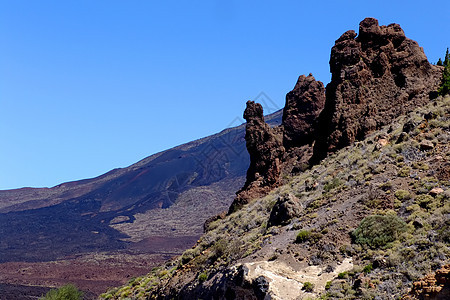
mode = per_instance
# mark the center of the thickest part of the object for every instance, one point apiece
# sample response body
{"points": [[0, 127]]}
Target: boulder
{"points": [[286, 208]]}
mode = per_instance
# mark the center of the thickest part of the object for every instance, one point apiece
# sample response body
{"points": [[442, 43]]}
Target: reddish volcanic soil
{"points": [[93, 273]]}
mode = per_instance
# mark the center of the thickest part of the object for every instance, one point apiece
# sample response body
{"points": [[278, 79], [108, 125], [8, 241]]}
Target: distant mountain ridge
{"points": [[73, 217]]}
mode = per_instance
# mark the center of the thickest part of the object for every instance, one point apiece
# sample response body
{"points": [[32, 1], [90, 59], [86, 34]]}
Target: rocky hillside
{"points": [[348, 198]]}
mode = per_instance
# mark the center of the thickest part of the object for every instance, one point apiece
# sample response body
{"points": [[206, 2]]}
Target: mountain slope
{"points": [[327, 244], [347, 198], [79, 216], [99, 232]]}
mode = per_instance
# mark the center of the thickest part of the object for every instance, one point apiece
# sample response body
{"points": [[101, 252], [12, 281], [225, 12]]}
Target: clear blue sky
{"points": [[91, 85]]}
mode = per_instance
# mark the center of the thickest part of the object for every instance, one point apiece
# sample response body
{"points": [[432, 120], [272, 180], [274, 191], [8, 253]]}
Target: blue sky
{"points": [[91, 85]]}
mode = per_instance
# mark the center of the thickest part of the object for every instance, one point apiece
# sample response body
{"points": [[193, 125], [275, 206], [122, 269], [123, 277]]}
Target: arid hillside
{"points": [[347, 199]]}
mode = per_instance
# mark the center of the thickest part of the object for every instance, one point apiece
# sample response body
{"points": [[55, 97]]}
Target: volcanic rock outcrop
{"points": [[376, 77], [432, 286], [303, 105], [264, 144]]}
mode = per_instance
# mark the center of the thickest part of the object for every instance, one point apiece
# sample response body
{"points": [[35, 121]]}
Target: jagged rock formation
{"points": [[303, 105], [376, 77], [264, 144], [432, 286], [268, 146]]}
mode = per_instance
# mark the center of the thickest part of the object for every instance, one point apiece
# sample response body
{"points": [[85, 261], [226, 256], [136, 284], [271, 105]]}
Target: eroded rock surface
{"points": [[433, 286], [264, 144], [286, 208], [303, 105], [376, 76]]}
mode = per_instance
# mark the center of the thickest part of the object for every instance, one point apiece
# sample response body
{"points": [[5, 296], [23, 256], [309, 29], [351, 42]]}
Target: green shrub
{"points": [[378, 230], [188, 255], [328, 285], [402, 195], [367, 269], [404, 172], [219, 249], [308, 287], [302, 236], [306, 235], [343, 275], [202, 277], [445, 86], [426, 201], [334, 183], [66, 292]]}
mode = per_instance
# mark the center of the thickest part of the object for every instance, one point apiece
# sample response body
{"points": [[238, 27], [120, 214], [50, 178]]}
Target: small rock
{"points": [[379, 262], [436, 191], [383, 142], [417, 223], [409, 126], [329, 269], [426, 145], [403, 137]]}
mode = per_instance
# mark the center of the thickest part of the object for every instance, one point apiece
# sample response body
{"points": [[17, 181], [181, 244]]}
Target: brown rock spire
{"points": [[376, 77]]}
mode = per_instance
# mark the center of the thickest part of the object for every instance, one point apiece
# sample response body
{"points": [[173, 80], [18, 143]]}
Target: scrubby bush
{"points": [[367, 269], [202, 277], [188, 255], [219, 249], [334, 183], [66, 292], [302, 236], [306, 235], [308, 287], [404, 172], [402, 195], [378, 230], [426, 201]]}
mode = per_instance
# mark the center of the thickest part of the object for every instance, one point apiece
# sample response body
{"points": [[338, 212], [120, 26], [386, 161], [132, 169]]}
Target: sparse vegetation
{"points": [[202, 277], [308, 287], [402, 195], [378, 230], [66, 292], [404, 228], [306, 235]]}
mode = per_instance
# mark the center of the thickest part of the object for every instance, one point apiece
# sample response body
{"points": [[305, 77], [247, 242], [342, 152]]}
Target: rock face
{"points": [[264, 144], [376, 77], [267, 146], [303, 105]]}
